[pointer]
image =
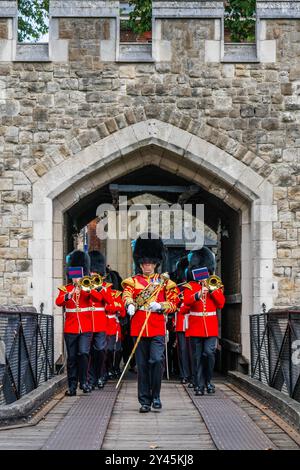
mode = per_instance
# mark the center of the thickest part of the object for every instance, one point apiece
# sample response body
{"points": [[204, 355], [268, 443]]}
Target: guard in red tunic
{"points": [[182, 310], [203, 299], [78, 324], [114, 346], [144, 292], [101, 300]]}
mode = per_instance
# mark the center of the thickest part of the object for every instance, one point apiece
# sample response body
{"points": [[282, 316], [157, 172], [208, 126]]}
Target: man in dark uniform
{"points": [[149, 295], [78, 324]]}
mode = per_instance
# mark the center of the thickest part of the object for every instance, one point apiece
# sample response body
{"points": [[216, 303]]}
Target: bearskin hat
{"points": [[98, 262], [149, 249], [200, 259], [81, 259], [180, 270]]}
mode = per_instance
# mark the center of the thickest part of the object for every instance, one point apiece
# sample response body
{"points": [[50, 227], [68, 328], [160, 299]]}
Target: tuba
{"points": [[214, 282]]}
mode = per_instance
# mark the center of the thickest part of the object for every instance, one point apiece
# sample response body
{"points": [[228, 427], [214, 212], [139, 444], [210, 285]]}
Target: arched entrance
{"points": [[227, 185]]}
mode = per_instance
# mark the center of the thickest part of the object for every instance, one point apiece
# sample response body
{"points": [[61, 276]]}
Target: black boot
{"points": [[156, 403], [199, 391], [210, 388], [71, 392], [86, 388]]}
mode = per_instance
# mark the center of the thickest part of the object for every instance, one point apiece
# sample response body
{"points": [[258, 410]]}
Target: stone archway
{"points": [[175, 150]]}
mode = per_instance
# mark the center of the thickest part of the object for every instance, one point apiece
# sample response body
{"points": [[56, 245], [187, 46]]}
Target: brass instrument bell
{"points": [[86, 283], [96, 280], [214, 282]]}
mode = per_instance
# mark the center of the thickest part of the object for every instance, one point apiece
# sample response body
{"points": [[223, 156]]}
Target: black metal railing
{"points": [[26, 353], [275, 350]]}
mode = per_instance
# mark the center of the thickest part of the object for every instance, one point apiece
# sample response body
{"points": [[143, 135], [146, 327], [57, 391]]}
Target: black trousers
{"points": [[97, 357], [183, 356], [149, 359], [78, 348], [203, 349]]}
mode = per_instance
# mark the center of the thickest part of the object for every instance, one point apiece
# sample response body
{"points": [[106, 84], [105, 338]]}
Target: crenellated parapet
{"points": [[101, 21], [268, 9], [8, 29]]}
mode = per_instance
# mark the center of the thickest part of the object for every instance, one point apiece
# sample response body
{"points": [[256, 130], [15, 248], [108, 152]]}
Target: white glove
{"points": [[131, 310], [155, 306]]}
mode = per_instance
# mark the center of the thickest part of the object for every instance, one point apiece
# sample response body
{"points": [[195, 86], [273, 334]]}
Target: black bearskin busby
{"points": [[200, 259], [179, 274], [81, 259], [98, 263], [151, 250]]}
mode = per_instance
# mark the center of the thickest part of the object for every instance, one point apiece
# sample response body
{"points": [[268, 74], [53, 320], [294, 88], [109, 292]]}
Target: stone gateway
{"points": [[83, 111]]}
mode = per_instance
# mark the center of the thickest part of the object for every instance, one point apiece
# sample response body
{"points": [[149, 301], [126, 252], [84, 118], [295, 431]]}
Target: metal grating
{"points": [[26, 353], [274, 357], [84, 427], [229, 426]]}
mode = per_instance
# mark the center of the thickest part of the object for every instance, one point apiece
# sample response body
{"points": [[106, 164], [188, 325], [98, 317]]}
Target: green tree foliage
{"points": [[140, 19], [32, 20], [240, 19]]}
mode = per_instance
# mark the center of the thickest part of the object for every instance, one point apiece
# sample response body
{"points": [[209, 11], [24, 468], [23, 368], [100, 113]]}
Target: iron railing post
{"points": [[46, 352], [19, 332], [290, 356], [269, 348], [258, 347]]}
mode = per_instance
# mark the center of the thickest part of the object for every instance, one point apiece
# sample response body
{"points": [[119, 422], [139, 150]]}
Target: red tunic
{"points": [[113, 312], [200, 324], [167, 296], [100, 301], [75, 321]]}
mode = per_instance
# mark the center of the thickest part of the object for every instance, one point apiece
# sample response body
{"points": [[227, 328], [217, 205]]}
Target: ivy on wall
{"points": [[240, 20]]}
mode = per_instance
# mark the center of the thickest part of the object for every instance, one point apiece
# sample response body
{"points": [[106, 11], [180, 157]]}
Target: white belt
{"points": [[202, 314], [84, 309], [195, 314]]}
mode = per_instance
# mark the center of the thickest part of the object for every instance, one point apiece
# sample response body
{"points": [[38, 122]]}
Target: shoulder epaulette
{"points": [[188, 286], [129, 281], [62, 288], [107, 284], [117, 293], [171, 284]]}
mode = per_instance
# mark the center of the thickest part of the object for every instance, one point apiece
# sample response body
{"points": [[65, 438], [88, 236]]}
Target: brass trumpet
{"points": [[86, 283], [96, 280], [214, 282]]}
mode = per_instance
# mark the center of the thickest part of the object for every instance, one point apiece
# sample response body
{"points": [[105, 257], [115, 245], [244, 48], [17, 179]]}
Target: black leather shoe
{"points": [[191, 385], [199, 391], [156, 404], [145, 409], [86, 388], [210, 388], [70, 393], [100, 383]]}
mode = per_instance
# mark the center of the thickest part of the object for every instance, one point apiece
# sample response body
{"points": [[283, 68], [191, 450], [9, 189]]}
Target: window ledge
{"points": [[240, 53], [135, 52], [31, 52]]}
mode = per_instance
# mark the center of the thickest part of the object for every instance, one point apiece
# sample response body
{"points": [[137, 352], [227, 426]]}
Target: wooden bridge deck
{"points": [[178, 426]]}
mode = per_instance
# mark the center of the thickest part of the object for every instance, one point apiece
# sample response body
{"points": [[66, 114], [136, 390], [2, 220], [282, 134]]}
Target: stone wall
{"points": [[51, 111]]}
